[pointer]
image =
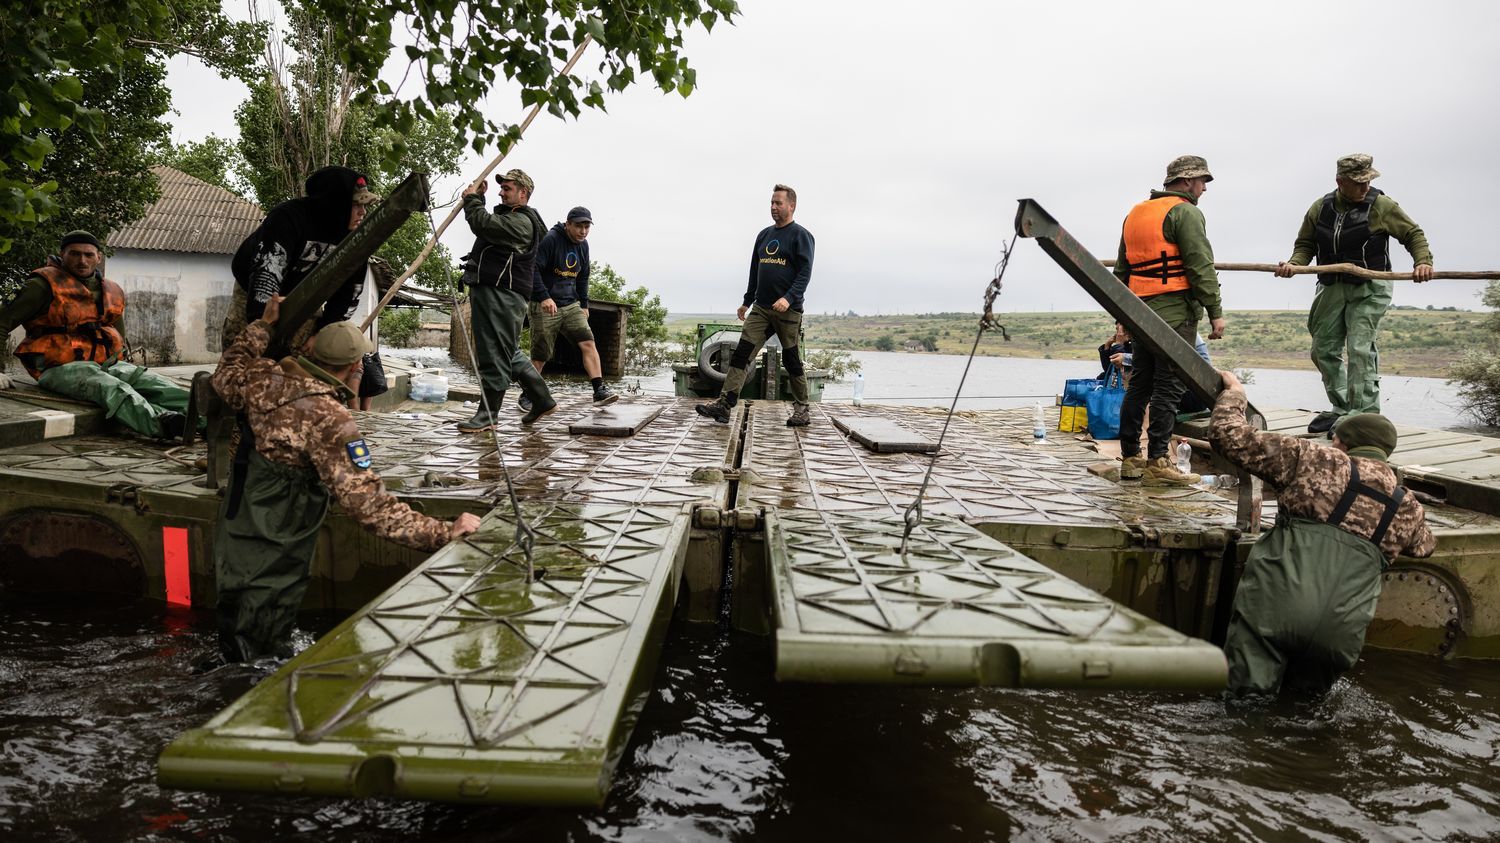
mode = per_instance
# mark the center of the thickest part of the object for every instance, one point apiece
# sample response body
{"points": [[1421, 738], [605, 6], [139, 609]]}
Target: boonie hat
{"points": [[79, 236], [1367, 430], [340, 344], [518, 176], [580, 214], [1187, 167], [1358, 167]]}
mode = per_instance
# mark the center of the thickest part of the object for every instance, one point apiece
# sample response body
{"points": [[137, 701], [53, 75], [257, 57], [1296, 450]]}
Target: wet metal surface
{"points": [[957, 608], [984, 473], [463, 682]]}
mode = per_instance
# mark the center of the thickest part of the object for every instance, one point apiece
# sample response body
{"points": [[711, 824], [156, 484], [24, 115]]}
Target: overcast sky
{"points": [[909, 130]]}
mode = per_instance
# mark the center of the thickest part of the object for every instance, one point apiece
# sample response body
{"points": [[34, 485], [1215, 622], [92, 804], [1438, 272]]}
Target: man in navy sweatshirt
{"points": [[780, 268], [560, 299]]}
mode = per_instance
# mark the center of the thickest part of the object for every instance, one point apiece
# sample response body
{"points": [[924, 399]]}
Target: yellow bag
{"points": [[1073, 419]]}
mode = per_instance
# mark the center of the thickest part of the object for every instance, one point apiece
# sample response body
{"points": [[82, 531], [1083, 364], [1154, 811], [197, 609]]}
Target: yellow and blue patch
{"points": [[359, 453]]}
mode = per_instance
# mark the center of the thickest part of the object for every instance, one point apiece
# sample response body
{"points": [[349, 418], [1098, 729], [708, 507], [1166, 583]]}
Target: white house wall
{"points": [[174, 302]]}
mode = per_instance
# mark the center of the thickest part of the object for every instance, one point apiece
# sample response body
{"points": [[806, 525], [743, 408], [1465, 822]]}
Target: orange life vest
{"points": [[75, 326], [1155, 264]]}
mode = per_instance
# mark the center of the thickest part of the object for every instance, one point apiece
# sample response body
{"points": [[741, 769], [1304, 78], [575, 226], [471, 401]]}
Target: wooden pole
{"points": [[1346, 268], [452, 215]]}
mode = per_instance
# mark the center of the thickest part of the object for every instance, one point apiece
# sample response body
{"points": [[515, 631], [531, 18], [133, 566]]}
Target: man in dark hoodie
{"points": [[560, 299], [291, 241], [780, 267], [499, 272]]}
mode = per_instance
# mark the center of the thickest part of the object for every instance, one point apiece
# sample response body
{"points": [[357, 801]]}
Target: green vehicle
{"points": [[715, 344]]}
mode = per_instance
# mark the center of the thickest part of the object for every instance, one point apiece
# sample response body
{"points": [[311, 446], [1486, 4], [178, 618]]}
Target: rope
{"points": [[453, 214], [913, 515], [525, 535]]}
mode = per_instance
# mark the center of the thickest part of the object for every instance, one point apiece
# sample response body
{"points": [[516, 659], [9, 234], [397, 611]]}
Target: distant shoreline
{"points": [[1414, 343]]}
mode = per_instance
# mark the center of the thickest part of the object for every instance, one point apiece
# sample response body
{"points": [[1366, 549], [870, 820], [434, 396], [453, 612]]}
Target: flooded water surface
{"points": [[1404, 749]]}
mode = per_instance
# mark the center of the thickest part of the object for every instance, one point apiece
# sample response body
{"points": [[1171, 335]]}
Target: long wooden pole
{"points": [[453, 214], [1346, 268]]}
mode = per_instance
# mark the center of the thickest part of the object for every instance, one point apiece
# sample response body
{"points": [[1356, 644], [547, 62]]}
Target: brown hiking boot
{"points": [[1131, 468], [799, 416], [717, 410], [1161, 472]]}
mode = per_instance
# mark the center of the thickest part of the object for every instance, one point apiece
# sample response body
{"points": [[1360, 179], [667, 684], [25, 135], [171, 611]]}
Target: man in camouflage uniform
{"points": [[1311, 582], [1165, 258], [1353, 224], [306, 445]]}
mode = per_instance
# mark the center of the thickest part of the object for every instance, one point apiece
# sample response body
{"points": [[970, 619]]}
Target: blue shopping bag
{"points": [[1072, 417], [1104, 405]]}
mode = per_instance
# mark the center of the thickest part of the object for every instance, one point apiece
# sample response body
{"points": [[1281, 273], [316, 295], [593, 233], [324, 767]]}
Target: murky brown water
{"points": [[1408, 748]]}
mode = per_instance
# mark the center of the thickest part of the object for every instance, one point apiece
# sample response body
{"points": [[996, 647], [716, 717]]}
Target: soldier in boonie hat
{"points": [[518, 176], [1353, 225], [1358, 167], [1187, 167]]}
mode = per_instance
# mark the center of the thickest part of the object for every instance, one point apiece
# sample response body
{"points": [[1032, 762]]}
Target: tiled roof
{"points": [[191, 216]]}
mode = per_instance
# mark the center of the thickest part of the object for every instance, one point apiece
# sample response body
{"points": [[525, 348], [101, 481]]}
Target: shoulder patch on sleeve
{"points": [[359, 453]]}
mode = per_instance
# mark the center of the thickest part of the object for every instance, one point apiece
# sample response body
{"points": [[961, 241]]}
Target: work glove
{"points": [[5, 381]]}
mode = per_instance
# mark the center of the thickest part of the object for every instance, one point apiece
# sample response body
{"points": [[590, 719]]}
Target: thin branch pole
{"points": [[453, 214], [1345, 268]]}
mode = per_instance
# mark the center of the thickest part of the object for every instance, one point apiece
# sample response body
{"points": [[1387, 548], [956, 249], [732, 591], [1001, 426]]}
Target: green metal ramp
{"points": [[960, 608], [462, 682]]}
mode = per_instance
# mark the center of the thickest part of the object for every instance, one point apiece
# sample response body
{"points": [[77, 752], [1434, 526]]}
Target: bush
{"points": [[399, 326], [1477, 372], [885, 343]]}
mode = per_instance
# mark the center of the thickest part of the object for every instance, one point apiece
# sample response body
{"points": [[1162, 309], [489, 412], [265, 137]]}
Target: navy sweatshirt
{"points": [[562, 269], [780, 266]]}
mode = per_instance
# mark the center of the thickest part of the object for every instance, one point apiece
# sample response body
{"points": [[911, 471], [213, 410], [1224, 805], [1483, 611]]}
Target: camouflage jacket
{"points": [[299, 420], [1310, 479]]}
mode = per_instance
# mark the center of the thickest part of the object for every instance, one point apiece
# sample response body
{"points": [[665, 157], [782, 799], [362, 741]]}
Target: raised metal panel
{"points": [[463, 682], [958, 608]]}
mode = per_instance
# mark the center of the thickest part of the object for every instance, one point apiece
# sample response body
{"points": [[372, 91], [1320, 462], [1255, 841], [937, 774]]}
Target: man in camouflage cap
{"points": [[306, 445], [1353, 224], [1311, 582], [499, 271], [1165, 258]]}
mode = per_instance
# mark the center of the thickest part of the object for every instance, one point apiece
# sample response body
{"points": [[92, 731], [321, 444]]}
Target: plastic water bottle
{"points": [[859, 388], [1184, 456], [1038, 426]]}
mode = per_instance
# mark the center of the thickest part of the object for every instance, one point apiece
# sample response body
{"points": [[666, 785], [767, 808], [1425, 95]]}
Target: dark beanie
{"points": [[79, 236], [1367, 430]]}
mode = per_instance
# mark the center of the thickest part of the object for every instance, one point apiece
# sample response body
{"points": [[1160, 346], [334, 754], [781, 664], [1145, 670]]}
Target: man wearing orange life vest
{"points": [[72, 344], [1166, 259]]}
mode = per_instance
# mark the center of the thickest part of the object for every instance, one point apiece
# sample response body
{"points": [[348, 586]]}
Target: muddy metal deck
{"points": [[457, 680]]}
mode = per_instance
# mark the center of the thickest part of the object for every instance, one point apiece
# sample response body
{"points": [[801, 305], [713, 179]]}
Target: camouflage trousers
{"points": [[263, 551], [130, 394], [1345, 318], [1300, 613]]}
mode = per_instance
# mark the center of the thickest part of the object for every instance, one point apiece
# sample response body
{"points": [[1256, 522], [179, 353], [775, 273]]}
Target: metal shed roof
{"points": [[191, 216]]}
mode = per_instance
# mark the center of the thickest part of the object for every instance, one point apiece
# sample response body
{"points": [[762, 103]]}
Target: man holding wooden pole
{"points": [[1353, 224]]}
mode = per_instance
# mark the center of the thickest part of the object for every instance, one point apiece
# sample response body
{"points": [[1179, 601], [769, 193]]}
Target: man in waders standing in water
{"points": [[1311, 582], [306, 446]]}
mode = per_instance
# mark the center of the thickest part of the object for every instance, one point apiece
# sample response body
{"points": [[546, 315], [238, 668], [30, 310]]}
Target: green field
{"points": [[1412, 342]]}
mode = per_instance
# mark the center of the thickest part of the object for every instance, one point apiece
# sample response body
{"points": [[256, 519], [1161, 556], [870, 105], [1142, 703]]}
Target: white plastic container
{"points": [[1038, 426], [859, 388], [429, 386]]}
